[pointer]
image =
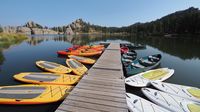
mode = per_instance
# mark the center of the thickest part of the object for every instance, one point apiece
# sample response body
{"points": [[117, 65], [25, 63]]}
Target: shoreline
{"points": [[12, 37]]}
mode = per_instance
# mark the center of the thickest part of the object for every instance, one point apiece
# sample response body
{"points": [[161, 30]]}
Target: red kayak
{"points": [[124, 50]]}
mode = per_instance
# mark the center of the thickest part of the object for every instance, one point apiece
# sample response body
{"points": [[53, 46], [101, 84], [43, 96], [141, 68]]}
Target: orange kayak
{"points": [[86, 48], [79, 53]]}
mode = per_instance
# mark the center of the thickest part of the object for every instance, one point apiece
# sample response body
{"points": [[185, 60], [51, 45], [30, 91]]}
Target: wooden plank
{"points": [[101, 83], [118, 82], [107, 64], [114, 46], [62, 110], [95, 96], [99, 92], [107, 68], [108, 76], [97, 81], [101, 89], [103, 78], [69, 108], [104, 108], [96, 101], [98, 72], [101, 86]]}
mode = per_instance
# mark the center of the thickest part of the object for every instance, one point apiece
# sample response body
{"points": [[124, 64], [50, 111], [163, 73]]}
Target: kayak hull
{"points": [[144, 79], [33, 94], [179, 90], [136, 103]]}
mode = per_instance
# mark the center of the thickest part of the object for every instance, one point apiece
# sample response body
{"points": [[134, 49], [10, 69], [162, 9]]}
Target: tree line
{"points": [[180, 22]]}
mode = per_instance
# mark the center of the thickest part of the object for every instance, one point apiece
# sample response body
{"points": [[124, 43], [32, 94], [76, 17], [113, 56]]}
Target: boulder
{"points": [[24, 30], [69, 30]]}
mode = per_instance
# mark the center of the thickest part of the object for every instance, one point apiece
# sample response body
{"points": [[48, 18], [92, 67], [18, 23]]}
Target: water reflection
{"points": [[37, 39], [184, 48], [4, 46]]}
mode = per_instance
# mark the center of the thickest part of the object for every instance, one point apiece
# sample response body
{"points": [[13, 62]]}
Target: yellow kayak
{"points": [[83, 60], [47, 78], [33, 94], [76, 67], [53, 67]]}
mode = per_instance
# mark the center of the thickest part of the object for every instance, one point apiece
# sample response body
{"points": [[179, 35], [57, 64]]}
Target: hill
{"points": [[180, 22]]}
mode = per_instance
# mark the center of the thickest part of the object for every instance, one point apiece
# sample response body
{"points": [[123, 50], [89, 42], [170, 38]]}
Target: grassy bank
{"points": [[9, 39], [4, 37]]}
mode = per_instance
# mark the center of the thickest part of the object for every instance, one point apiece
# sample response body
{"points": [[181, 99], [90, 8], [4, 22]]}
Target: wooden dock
{"points": [[102, 89]]}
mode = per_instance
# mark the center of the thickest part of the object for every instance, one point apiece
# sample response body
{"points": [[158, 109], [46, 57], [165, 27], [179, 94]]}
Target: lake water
{"points": [[181, 54]]}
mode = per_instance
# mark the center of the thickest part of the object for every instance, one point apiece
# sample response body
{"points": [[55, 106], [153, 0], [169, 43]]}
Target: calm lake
{"points": [[181, 54]]}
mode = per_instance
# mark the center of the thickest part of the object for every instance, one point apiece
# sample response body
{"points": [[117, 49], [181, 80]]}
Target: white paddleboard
{"points": [[191, 93], [191, 107], [143, 79], [168, 101], [138, 104]]}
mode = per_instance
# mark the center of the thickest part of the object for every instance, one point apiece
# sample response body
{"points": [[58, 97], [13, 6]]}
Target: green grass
{"points": [[9, 39], [4, 37]]}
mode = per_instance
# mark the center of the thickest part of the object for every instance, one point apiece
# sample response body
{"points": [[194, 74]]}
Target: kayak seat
{"points": [[137, 65], [153, 59], [127, 56], [146, 62]]}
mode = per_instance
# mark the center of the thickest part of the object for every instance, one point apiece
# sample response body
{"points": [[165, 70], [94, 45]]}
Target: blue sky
{"points": [[100, 12]]}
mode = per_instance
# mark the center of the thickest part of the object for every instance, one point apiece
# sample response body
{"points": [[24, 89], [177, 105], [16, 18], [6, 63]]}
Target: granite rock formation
{"points": [[29, 28]]}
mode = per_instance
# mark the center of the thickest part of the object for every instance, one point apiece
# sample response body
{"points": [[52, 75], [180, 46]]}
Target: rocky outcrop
{"points": [[42, 31], [9, 29], [31, 24], [24, 30], [69, 30], [74, 27], [38, 29], [29, 28]]}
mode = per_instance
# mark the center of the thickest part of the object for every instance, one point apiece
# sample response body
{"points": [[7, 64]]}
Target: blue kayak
{"points": [[143, 64]]}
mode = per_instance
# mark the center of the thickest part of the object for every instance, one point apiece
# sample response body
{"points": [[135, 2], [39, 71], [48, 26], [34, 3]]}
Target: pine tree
{"points": [[1, 29]]}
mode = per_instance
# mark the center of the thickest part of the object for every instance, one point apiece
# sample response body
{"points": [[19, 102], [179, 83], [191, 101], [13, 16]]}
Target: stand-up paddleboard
{"points": [[82, 59], [169, 101], [77, 67], [47, 78], [191, 93], [33, 94], [53, 67], [138, 104], [191, 107], [143, 79]]}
